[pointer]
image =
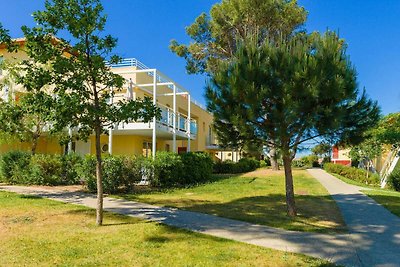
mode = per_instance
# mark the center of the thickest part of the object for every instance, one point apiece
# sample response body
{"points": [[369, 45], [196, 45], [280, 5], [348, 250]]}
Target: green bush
{"points": [[14, 167], [394, 180], [243, 165], [70, 164], [112, 169], [197, 167], [168, 168], [224, 167], [45, 170], [133, 168], [352, 173]]}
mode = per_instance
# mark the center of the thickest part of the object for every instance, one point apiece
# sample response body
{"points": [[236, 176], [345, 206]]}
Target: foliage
{"points": [[323, 149], [18, 167], [290, 92], [216, 36], [197, 167], [168, 169], [243, 165], [76, 69], [45, 170], [394, 180], [388, 129], [13, 166], [70, 165], [352, 173], [28, 118]]}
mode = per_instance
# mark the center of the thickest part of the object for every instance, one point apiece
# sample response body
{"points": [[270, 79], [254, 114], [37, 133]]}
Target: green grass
{"points": [[389, 199], [257, 197], [41, 232]]}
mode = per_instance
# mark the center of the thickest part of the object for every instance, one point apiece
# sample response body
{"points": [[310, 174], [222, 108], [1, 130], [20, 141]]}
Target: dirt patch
{"points": [[63, 188]]}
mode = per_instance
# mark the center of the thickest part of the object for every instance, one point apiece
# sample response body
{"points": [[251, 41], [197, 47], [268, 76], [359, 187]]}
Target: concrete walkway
{"points": [[336, 248], [375, 231]]}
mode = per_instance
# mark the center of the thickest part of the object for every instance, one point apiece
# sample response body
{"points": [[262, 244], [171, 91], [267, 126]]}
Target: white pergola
{"points": [[157, 82]]}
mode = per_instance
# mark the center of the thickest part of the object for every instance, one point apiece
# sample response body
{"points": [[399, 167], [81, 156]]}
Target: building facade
{"points": [[185, 125]]}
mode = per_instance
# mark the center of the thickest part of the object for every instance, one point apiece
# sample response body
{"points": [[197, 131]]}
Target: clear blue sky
{"points": [[144, 29]]}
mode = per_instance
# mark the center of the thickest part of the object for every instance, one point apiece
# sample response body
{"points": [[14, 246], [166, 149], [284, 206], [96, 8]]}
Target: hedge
{"points": [[352, 173], [18, 167], [243, 165], [119, 172], [394, 180]]}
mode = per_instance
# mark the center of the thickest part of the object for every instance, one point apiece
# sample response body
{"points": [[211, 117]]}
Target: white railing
{"points": [[167, 118], [161, 78]]}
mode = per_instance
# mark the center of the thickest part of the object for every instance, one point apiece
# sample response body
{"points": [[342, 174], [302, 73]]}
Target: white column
{"points": [[70, 140], [154, 118], [174, 120], [188, 131], [110, 131]]}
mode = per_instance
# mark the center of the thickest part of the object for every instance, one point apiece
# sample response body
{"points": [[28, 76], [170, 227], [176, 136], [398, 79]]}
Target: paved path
{"points": [[337, 248], [374, 230]]}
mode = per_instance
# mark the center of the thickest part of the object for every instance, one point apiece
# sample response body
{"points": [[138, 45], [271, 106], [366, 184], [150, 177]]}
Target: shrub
{"points": [[168, 170], [224, 167], [243, 165], [197, 167], [394, 180], [13, 167], [112, 169], [352, 173], [45, 170], [133, 169], [70, 165]]}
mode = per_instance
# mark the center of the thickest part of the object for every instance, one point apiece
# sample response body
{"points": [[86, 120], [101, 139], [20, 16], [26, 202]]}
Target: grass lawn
{"points": [[388, 199], [41, 232], [257, 197]]}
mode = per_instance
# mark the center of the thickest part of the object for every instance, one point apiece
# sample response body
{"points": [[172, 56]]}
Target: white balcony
{"points": [[164, 126]]}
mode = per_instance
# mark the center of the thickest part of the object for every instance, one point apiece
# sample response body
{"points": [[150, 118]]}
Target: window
{"points": [[167, 147], [146, 151]]}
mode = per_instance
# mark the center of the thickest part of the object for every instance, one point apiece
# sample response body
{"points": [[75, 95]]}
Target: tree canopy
{"points": [[75, 68], [216, 36], [290, 92]]}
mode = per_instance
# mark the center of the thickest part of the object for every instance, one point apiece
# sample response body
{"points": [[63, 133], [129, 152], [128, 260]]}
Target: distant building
{"points": [[340, 155]]}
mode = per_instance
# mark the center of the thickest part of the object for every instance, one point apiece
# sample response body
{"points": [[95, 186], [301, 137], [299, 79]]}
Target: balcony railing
{"points": [[167, 119]]}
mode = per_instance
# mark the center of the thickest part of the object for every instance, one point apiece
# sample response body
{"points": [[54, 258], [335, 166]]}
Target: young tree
{"points": [[76, 69], [27, 119], [291, 92], [216, 37]]}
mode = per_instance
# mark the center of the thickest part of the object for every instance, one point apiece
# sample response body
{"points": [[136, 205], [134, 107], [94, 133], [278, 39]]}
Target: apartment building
{"points": [[184, 126]]}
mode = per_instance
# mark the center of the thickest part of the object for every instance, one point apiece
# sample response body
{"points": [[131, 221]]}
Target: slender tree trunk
{"points": [[35, 140], [99, 178], [290, 203], [273, 158]]}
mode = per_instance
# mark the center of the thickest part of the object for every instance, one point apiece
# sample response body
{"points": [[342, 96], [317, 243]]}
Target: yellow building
{"points": [[185, 125]]}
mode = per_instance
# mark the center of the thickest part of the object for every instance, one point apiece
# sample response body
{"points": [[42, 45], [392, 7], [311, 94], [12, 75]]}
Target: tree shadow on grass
{"points": [[315, 213]]}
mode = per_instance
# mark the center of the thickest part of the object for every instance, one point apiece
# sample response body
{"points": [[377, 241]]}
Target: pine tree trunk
{"points": [[99, 178], [290, 203], [273, 159]]}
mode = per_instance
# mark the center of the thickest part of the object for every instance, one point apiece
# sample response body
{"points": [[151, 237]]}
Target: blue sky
{"points": [[145, 28]]}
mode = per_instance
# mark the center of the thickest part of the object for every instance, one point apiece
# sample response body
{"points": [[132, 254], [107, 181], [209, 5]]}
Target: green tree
{"points": [[78, 73], [215, 37], [388, 129], [291, 92], [323, 149], [27, 119]]}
